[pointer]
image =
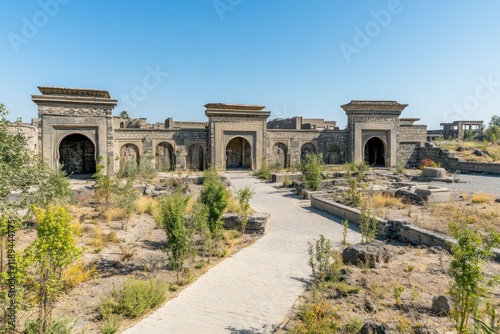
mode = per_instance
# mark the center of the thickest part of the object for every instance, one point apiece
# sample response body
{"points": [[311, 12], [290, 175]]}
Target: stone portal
{"points": [[375, 152], [165, 157], [77, 155], [238, 153]]}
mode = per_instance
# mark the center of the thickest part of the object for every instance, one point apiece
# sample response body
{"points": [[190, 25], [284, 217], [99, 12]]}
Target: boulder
{"points": [[371, 327], [441, 305], [460, 149], [429, 144], [478, 153], [370, 305], [370, 253]]}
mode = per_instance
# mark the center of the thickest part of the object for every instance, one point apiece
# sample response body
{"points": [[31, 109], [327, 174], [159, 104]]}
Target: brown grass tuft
{"points": [[114, 214], [478, 198]]}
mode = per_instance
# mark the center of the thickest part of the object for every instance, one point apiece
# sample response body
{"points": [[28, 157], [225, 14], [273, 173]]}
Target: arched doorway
{"points": [[307, 148], [165, 159], [375, 152], [195, 157], [238, 153], [332, 156], [77, 154], [129, 154], [279, 154]]}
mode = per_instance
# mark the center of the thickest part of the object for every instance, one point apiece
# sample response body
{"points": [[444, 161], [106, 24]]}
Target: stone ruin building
{"points": [[76, 126]]}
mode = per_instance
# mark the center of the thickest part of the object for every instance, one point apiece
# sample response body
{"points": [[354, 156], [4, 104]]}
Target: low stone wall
{"points": [[280, 178], [256, 224], [351, 214], [451, 163], [397, 229]]}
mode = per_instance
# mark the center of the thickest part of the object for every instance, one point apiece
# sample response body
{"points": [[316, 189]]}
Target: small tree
{"points": [[104, 185], [311, 168], [53, 188], [244, 195], [173, 221], [214, 197], [126, 198], [470, 284], [51, 253]]}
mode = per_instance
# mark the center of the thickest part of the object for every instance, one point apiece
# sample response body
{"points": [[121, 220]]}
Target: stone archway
{"points": [[375, 152], [332, 156], [77, 154], [238, 153], [129, 153], [165, 159], [280, 152], [195, 157], [307, 148]]}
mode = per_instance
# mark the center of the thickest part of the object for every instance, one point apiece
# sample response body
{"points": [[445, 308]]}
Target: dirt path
{"points": [[253, 290]]}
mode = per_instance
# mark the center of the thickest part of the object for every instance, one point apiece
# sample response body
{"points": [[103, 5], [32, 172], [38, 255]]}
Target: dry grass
{"points": [[97, 240], [78, 273], [482, 198], [114, 214], [233, 206], [146, 204], [381, 200]]}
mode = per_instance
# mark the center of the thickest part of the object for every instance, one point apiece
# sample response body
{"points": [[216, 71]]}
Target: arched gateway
{"points": [[375, 152], [77, 154], [238, 153]]}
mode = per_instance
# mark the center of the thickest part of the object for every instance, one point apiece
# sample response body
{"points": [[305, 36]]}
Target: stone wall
{"points": [[332, 143], [390, 229], [451, 163]]}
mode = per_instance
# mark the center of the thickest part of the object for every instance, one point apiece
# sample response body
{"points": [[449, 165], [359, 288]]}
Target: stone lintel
{"points": [[74, 92], [368, 107], [42, 99]]}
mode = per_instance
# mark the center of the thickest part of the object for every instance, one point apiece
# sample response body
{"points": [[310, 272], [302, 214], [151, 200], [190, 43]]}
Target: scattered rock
{"points": [[371, 253], [441, 305], [423, 330], [460, 149], [429, 144], [370, 305], [371, 327], [478, 153], [436, 249]]}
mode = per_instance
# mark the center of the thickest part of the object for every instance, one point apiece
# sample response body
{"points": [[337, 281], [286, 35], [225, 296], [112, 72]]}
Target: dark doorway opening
{"points": [[77, 155], [238, 154], [375, 152]]}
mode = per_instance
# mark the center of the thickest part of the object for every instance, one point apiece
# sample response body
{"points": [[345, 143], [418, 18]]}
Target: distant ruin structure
{"points": [[76, 126]]}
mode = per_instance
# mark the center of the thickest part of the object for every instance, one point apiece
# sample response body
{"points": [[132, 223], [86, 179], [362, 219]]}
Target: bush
{"points": [[429, 163], [214, 197], [110, 325], [58, 326], [264, 173], [173, 221], [400, 168], [134, 299], [78, 273], [311, 168], [482, 198], [324, 261]]}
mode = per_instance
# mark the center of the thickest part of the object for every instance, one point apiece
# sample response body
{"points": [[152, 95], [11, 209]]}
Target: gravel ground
{"points": [[474, 184]]}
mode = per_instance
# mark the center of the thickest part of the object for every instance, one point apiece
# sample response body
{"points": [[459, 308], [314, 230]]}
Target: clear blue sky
{"points": [[297, 57]]}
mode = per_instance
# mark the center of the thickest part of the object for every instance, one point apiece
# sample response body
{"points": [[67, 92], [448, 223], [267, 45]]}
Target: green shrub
{"points": [[110, 325], [400, 168], [134, 299], [264, 173], [57, 326], [214, 197], [311, 168]]}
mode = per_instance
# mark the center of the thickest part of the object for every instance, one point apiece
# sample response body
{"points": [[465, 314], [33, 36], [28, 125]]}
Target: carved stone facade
{"points": [[76, 126]]}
